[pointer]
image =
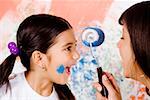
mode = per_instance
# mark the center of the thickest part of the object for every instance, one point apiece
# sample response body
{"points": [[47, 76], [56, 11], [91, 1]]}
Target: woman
{"points": [[134, 47], [46, 46]]}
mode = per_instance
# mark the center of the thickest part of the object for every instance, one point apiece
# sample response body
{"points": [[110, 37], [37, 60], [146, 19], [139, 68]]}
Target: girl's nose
{"points": [[76, 56]]}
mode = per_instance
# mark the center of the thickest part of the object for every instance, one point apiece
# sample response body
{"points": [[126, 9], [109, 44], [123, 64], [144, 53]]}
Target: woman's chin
{"points": [[126, 75]]}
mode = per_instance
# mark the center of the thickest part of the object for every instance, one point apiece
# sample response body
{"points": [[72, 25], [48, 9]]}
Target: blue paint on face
{"points": [[61, 69]]}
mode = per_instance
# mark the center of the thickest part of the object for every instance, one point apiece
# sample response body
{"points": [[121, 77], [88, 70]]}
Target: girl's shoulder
{"points": [[14, 81]]}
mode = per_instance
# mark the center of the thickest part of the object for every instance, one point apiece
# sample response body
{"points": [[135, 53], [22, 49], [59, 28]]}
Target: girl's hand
{"points": [[112, 87]]}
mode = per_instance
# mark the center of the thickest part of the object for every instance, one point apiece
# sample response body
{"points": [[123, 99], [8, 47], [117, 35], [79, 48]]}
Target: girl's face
{"points": [[61, 56], [126, 52]]}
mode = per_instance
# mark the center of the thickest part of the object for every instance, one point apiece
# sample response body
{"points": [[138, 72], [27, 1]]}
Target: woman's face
{"points": [[61, 56], [126, 52]]}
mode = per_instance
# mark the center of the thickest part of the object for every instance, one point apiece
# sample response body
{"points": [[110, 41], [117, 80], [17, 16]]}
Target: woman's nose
{"points": [[118, 44]]}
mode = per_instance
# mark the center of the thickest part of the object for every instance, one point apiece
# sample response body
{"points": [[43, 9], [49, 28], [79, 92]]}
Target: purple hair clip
{"points": [[13, 48]]}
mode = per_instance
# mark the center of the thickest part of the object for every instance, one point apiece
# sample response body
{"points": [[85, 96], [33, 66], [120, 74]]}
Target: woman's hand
{"points": [[112, 87]]}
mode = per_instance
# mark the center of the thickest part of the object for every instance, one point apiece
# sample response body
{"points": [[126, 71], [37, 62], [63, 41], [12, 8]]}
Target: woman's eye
{"points": [[122, 38], [75, 45]]}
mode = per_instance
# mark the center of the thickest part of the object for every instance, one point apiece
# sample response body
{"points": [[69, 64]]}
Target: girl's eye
{"points": [[68, 49]]}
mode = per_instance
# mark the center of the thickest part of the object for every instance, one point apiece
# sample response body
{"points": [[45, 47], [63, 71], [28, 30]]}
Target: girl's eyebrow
{"points": [[70, 43]]}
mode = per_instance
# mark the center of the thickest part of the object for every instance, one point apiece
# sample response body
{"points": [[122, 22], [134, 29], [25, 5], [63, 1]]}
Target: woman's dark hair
{"points": [[36, 32], [137, 20]]}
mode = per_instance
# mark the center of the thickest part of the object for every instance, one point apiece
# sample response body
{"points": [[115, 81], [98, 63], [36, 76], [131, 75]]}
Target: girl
{"points": [[46, 46]]}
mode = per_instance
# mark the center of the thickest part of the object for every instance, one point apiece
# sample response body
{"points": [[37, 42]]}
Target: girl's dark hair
{"points": [[36, 32], [137, 20]]}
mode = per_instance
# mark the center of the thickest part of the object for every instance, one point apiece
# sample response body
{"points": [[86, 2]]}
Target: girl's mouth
{"points": [[68, 70]]}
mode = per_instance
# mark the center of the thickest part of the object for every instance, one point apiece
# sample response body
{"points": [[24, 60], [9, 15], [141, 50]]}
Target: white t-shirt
{"points": [[21, 90]]}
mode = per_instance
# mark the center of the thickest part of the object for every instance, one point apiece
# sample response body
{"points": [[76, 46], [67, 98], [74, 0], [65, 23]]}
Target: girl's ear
{"points": [[36, 57], [40, 59]]}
